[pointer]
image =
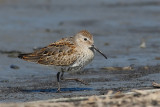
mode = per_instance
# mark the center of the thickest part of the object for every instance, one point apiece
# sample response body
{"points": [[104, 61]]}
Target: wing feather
{"points": [[59, 53]]}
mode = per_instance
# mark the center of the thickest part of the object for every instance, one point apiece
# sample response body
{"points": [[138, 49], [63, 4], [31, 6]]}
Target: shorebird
{"points": [[68, 54]]}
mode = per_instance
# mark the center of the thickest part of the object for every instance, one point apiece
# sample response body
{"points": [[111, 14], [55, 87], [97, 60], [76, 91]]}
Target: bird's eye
{"points": [[85, 39]]}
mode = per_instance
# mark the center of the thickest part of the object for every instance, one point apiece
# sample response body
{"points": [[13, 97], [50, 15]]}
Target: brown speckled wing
{"points": [[59, 53]]}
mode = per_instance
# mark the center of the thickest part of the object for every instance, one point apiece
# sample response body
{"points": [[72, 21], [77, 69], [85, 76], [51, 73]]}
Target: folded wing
{"points": [[59, 53]]}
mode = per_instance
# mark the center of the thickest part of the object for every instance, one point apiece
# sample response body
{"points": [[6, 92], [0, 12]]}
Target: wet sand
{"points": [[118, 27]]}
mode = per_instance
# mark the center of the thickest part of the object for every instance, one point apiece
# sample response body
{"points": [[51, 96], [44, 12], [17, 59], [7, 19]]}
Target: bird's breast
{"points": [[85, 57]]}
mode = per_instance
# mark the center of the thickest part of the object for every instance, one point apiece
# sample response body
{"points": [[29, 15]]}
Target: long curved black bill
{"points": [[99, 51]]}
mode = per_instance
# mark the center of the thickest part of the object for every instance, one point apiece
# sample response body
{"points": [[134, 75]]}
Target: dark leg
{"points": [[62, 78], [75, 79], [58, 74]]}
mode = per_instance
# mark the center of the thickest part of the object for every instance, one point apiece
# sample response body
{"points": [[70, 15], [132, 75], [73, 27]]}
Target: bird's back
{"points": [[60, 53]]}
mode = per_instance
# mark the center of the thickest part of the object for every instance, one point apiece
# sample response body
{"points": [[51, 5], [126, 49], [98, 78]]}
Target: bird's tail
{"points": [[28, 57]]}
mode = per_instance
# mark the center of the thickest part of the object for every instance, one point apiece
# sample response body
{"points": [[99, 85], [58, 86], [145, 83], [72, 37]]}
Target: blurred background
{"points": [[118, 26], [128, 32]]}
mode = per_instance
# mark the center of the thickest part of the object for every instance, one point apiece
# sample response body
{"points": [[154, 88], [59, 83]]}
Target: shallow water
{"points": [[118, 27]]}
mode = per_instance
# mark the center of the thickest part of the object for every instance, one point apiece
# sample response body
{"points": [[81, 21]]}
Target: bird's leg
{"points": [[75, 79], [58, 74], [61, 77]]}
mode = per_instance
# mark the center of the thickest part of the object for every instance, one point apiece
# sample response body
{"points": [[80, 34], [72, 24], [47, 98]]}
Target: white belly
{"points": [[84, 59]]}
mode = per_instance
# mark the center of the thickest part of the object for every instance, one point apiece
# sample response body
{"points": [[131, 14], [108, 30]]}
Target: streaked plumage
{"points": [[66, 54]]}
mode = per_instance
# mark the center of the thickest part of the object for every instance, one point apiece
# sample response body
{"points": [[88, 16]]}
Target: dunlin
{"points": [[68, 54]]}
